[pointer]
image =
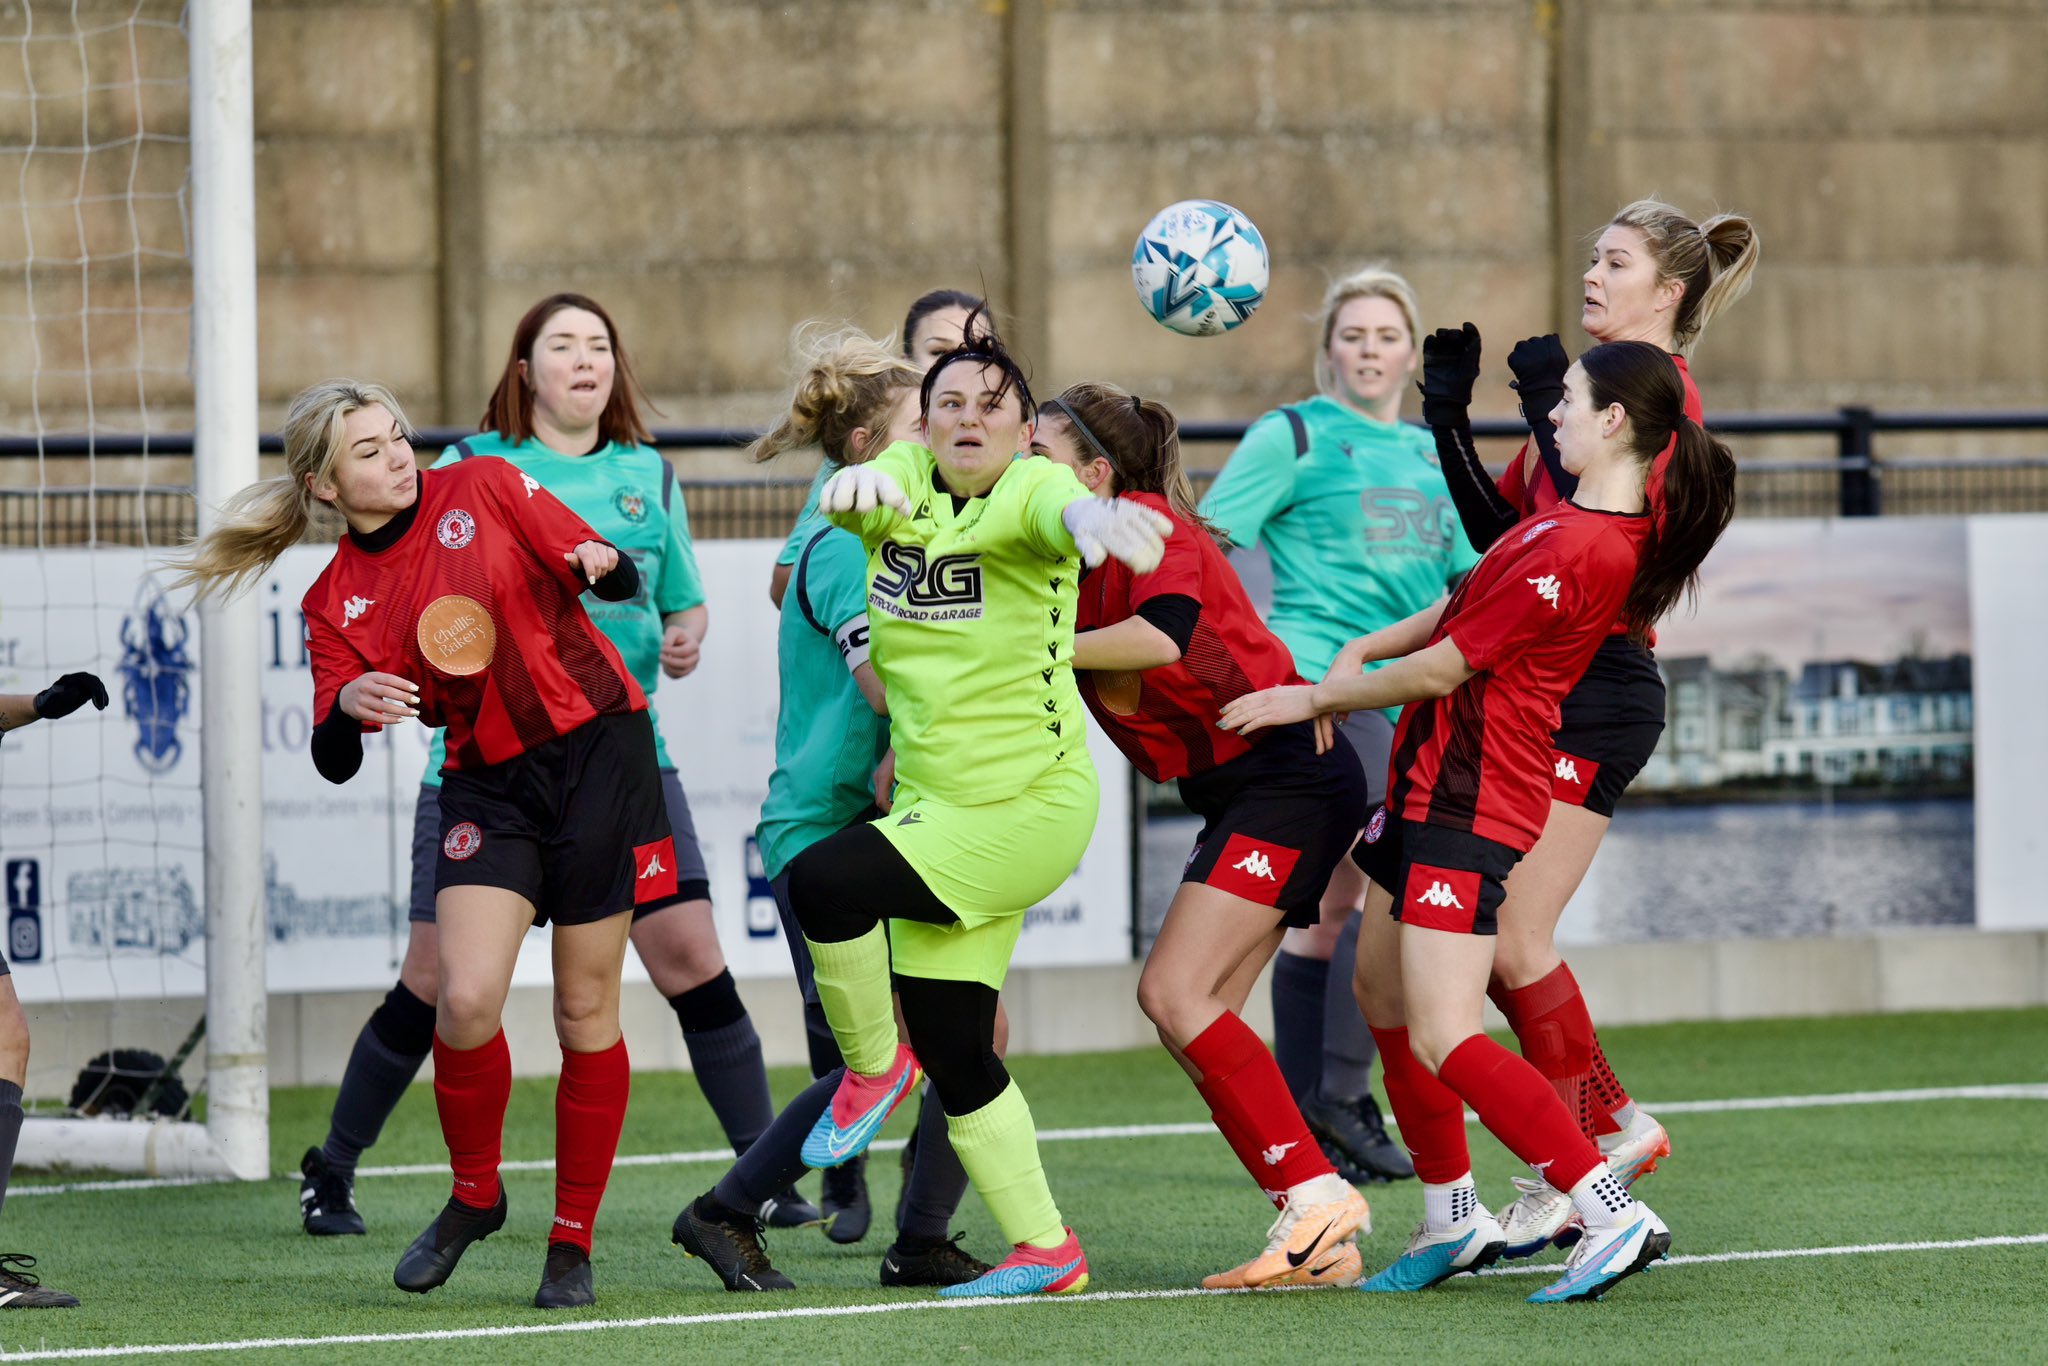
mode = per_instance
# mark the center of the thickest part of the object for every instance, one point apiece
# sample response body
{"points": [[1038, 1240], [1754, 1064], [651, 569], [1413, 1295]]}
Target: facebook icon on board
{"points": [[24, 910]]}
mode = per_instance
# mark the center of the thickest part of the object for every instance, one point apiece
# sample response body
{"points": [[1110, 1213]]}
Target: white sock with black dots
{"points": [[1445, 1207], [1601, 1200]]}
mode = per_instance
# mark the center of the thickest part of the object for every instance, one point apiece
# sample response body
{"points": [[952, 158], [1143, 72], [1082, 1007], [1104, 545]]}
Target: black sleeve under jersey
{"points": [[1175, 615], [1536, 406], [1481, 510], [622, 583], [338, 746]]}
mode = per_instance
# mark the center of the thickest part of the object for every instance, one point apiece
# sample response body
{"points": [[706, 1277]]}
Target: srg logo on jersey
{"points": [[457, 528], [912, 589], [1546, 589], [1533, 532], [631, 505], [354, 608]]}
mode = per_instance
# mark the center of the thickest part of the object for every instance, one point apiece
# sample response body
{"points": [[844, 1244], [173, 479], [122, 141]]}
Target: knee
{"points": [[467, 1013], [583, 1008], [1519, 960], [817, 897], [1431, 1047]]}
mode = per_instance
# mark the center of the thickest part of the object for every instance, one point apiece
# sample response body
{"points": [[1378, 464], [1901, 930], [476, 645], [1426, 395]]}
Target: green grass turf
{"points": [[229, 1262]]}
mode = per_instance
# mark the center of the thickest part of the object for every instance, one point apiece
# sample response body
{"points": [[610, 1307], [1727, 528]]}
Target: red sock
{"points": [[1247, 1148], [472, 1087], [1555, 1031], [1607, 1093], [1520, 1109], [1253, 1106], [1430, 1115], [590, 1109]]}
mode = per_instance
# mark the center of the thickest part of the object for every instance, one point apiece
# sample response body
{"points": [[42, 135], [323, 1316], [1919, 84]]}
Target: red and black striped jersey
{"points": [[469, 593], [1527, 618], [1164, 719]]}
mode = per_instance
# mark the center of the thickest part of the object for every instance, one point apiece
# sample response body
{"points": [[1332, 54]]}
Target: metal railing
{"points": [[1856, 482]]}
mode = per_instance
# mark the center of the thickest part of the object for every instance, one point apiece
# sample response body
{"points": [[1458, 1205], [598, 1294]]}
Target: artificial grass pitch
{"points": [[225, 1263]]}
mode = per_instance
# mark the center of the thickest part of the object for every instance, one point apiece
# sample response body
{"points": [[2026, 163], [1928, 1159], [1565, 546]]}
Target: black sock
{"points": [[1348, 1049], [1299, 985], [394, 1041], [937, 1181], [825, 1054], [725, 1053], [10, 1131], [775, 1160]]}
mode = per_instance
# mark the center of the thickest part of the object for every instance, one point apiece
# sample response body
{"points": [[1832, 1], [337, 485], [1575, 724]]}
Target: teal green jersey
{"points": [[827, 739], [628, 494], [794, 546], [971, 610], [1360, 526]]}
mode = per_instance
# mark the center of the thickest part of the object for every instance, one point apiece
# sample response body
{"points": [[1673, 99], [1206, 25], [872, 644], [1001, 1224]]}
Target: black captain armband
{"points": [[621, 583], [1174, 614], [338, 745]]}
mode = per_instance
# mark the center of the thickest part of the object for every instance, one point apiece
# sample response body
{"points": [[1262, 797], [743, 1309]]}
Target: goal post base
{"points": [[162, 1148]]}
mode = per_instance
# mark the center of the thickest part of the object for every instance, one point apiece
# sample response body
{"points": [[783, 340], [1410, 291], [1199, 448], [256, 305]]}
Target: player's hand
{"points": [[1538, 363], [380, 699], [862, 488], [1326, 731], [594, 558], [1450, 366], [1283, 706], [69, 693], [1106, 528], [679, 652], [885, 782]]}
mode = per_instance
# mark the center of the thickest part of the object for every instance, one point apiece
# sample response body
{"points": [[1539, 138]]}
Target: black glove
{"points": [[1450, 366], [1539, 364], [68, 694]]}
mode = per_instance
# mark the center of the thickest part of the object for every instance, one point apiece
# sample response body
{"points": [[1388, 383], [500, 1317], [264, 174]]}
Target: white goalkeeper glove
{"points": [[1105, 528], [862, 488]]}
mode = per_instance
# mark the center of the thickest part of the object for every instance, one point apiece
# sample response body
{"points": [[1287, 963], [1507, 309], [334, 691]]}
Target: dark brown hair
{"points": [[1139, 437], [980, 343], [928, 304], [1698, 495], [510, 411]]}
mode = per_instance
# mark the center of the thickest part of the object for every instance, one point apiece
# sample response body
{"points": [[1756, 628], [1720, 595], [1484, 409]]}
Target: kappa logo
{"points": [[1278, 1151], [532, 484], [1546, 589], [1257, 864], [1533, 532], [456, 529], [654, 868], [463, 841], [1441, 896], [354, 608], [1567, 771]]}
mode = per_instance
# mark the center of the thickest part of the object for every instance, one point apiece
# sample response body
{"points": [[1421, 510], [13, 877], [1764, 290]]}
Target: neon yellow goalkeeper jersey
{"points": [[971, 627]]}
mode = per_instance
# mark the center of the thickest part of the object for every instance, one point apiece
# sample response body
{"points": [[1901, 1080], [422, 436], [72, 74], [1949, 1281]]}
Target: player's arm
{"points": [[1450, 365], [1539, 364], [61, 698], [834, 589], [870, 499], [1165, 605], [1404, 637], [1133, 643], [682, 640], [778, 583], [1256, 482], [349, 698], [1436, 671], [679, 597], [562, 541]]}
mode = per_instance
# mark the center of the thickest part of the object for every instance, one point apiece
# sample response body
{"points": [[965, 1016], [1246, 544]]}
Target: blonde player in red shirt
{"points": [[453, 599], [1470, 792]]}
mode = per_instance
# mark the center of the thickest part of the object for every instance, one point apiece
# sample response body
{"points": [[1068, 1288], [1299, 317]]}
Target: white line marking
{"points": [[723, 1156], [919, 1306]]}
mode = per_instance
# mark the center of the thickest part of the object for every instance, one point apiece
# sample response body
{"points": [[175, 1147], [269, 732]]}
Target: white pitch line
{"points": [[723, 1156], [914, 1306]]}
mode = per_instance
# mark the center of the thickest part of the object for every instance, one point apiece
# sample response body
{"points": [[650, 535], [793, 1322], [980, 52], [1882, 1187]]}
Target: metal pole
{"points": [[1859, 465], [224, 460]]}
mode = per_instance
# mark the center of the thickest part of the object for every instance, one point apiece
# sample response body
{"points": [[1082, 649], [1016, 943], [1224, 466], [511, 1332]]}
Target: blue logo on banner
{"points": [[24, 910], [157, 687], [763, 920]]}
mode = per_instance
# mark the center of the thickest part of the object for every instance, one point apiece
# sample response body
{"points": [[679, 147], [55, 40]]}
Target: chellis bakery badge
{"points": [[457, 635]]}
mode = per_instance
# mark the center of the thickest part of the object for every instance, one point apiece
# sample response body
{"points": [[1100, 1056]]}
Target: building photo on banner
{"points": [[102, 848]]}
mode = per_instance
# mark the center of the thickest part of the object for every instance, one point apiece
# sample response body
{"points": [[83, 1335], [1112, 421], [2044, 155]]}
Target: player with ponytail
{"points": [[1158, 655], [1656, 277], [1470, 794]]}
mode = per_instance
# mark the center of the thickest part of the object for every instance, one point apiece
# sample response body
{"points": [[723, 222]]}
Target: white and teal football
{"points": [[1200, 267]]}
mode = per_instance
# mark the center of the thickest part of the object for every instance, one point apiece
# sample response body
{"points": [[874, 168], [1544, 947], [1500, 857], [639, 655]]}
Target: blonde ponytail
{"points": [[259, 523], [1713, 260], [846, 380]]}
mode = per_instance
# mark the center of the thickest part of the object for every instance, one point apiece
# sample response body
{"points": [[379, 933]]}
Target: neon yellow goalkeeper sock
{"points": [[853, 986], [998, 1145]]}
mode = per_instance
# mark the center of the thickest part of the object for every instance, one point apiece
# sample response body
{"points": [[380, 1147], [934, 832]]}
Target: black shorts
{"points": [[1277, 821], [576, 825], [1608, 727], [693, 881], [1440, 879]]}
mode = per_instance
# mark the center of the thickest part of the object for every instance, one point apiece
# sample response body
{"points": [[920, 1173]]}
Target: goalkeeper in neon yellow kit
{"points": [[973, 555]]}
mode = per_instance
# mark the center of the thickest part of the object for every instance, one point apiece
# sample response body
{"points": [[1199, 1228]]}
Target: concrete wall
{"points": [[718, 171], [1081, 1010]]}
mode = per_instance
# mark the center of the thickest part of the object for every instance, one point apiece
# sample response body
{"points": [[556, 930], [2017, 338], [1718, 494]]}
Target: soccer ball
{"points": [[1200, 267]]}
